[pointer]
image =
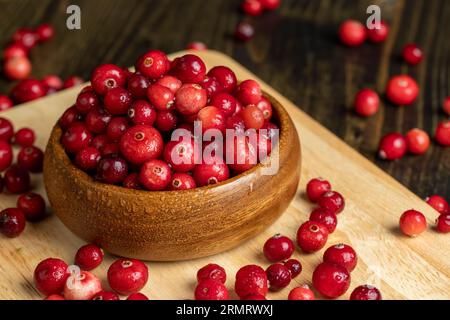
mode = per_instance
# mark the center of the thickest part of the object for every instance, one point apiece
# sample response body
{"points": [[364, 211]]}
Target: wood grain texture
{"points": [[403, 268], [295, 50]]}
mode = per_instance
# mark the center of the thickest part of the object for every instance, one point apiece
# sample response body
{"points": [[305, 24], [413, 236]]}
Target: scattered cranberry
{"points": [[365, 292], [445, 105], [225, 76], [196, 45], [312, 236], [251, 280], [301, 293], [106, 77], [112, 169], [45, 32], [127, 276], [379, 33], [352, 33], [5, 103], [72, 82], [190, 98], [392, 146], [50, 276], [182, 181], [69, 117], [278, 276], [332, 201], [212, 173], [252, 7], [244, 31], [412, 223], [270, 4], [402, 90], [17, 179], [412, 54], [28, 90], [341, 254], [366, 102], [82, 286], [26, 37], [54, 297], [212, 271], [14, 50], [316, 188], [141, 143], [76, 137], [331, 280], [31, 159], [294, 266], [24, 137], [438, 203], [17, 68], [166, 120], [189, 69], [12, 222], [137, 296], [6, 155], [53, 82], [116, 128], [32, 205], [153, 64], [89, 257], [325, 217], [6, 130], [443, 223], [442, 134], [105, 295], [417, 141], [211, 290], [278, 248]]}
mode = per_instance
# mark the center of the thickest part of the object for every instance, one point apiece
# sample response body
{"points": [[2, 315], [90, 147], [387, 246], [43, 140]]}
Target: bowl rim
{"points": [[283, 119]]}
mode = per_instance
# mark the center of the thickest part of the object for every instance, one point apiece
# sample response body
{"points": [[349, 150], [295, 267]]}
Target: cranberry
{"points": [[332, 201], [211, 290], [211, 118], [211, 172], [366, 102], [235, 122], [32, 205], [86, 101], [249, 92], [244, 31], [5, 103], [106, 77], [116, 128], [180, 155], [196, 45], [153, 64], [117, 101], [270, 4], [166, 120], [251, 280], [443, 223], [45, 32], [17, 68], [392, 146], [155, 175], [127, 276], [53, 82], [417, 141], [54, 297], [212, 272], [445, 105], [412, 223], [225, 76], [442, 134], [294, 266], [141, 112], [190, 98], [82, 286], [252, 7], [100, 141], [402, 90], [89, 257], [379, 33], [331, 280], [97, 120], [301, 293], [325, 217], [189, 69], [28, 90], [87, 159], [225, 102], [312, 236], [31, 159], [341, 254], [6, 155], [24, 137], [160, 97], [182, 181], [17, 179], [365, 292], [76, 137], [69, 117], [316, 188], [141, 143], [50, 276], [278, 276], [105, 295], [278, 248], [137, 85], [26, 37], [438, 203], [72, 81], [352, 33], [266, 108], [170, 82], [253, 117], [14, 50], [12, 222], [137, 296], [256, 297], [412, 54], [132, 181], [112, 169], [6, 129]]}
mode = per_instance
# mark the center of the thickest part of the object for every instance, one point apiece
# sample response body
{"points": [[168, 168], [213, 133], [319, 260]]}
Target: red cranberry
{"points": [[72, 81], [69, 117], [244, 31], [438, 203], [294, 266], [141, 143], [6, 129], [112, 169], [392, 146], [225, 102], [127, 276], [97, 120], [331, 280], [160, 97], [270, 4], [116, 128], [132, 181], [137, 85], [196, 45], [211, 290], [12, 222], [325, 217], [137, 296], [182, 181], [402, 90], [117, 101], [166, 120], [366, 102], [17, 179], [17, 68], [76, 137], [141, 112], [14, 50], [249, 92], [5, 103], [445, 105], [442, 134], [32, 205], [316, 188], [105, 295], [225, 76], [86, 101], [212, 86], [312, 236], [26, 37], [379, 33], [255, 297], [251, 280], [252, 7], [253, 117], [235, 122], [54, 297], [100, 141], [106, 77], [341, 254], [53, 82], [82, 286], [443, 223], [278, 248], [332, 201], [266, 108], [212, 272], [417, 141], [212, 172], [110, 149], [366, 292], [88, 158], [6, 155], [50, 276], [189, 69], [412, 223], [28, 90], [155, 175], [301, 293], [31, 159], [153, 64], [24, 137], [190, 98], [170, 82], [180, 155], [89, 257], [278, 276], [211, 118], [45, 32], [412, 54], [352, 33]]}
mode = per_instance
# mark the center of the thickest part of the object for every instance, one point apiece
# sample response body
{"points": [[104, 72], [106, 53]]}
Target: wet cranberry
{"points": [[341, 254], [212, 86], [6, 155], [141, 143], [189, 69], [31, 159], [141, 112], [166, 120], [32, 205], [294, 266], [97, 120], [249, 92], [331, 280], [116, 128], [180, 154], [12, 222], [86, 101], [24, 137], [17, 180], [366, 292], [211, 118], [112, 170], [182, 181], [225, 76], [50, 276], [316, 188], [76, 137], [160, 97], [137, 85], [225, 102], [28, 90], [69, 117], [312, 236], [106, 77], [117, 101], [87, 159], [251, 280], [278, 248], [325, 217], [301, 293], [212, 271], [332, 201], [89, 257], [153, 64], [278, 276], [155, 175], [212, 171], [211, 290], [190, 98], [170, 82]]}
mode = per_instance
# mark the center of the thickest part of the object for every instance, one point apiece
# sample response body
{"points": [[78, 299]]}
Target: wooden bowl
{"points": [[173, 225]]}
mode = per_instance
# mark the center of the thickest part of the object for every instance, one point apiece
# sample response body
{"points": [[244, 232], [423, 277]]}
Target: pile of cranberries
{"points": [[119, 130]]}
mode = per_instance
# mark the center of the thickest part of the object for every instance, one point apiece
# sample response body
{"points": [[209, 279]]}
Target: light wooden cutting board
{"points": [[401, 267]]}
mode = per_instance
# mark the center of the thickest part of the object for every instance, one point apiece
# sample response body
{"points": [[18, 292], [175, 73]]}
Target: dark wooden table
{"points": [[295, 50]]}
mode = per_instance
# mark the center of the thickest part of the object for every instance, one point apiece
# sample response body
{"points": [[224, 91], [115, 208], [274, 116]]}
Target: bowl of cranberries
{"points": [[171, 161]]}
